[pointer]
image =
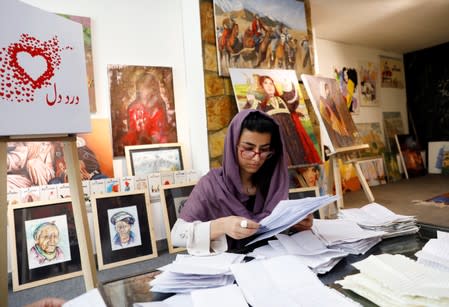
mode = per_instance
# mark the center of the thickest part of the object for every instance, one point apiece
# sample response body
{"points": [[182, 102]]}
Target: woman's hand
{"points": [[305, 224], [233, 227]]}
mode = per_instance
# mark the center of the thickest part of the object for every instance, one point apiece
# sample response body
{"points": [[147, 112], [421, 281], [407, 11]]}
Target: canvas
{"points": [[347, 79], [410, 153], [392, 125], [263, 34], [277, 93], [438, 157], [142, 106], [392, 72], [371, 134], [338, 128], [368, 84], [374, 172]]}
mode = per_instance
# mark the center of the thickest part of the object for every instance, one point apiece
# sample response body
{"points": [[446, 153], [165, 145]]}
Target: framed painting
{"points": [[410, 155], [123, 227], [45, 247], [368, 84], [263, 34], [392, 72], [374, 171], [173, 198], [371, 134], [142, 106], [392, 125], [148, 159]]}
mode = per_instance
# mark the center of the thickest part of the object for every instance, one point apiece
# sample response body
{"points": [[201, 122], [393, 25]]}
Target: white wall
{"points": [[330, 55]]}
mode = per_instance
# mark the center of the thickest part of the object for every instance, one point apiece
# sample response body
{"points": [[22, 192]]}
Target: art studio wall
{"points": [[330, 55]]}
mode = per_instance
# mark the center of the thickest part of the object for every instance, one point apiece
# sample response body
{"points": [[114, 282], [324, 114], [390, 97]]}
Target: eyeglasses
{"points": [[249, 154]]}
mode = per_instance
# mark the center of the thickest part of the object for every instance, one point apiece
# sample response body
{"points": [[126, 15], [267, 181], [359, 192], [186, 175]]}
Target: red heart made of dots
{"points": [[22, 74]]}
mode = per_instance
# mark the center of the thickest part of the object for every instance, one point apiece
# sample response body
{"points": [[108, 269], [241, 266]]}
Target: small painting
{"points": [[392, 72], [347, 79], [45, 247], [368, 84], [123, 228], [148, 159], [173, 198], [371, 134]]}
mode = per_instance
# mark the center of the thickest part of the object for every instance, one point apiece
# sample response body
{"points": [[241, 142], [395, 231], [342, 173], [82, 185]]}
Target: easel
{"points": [[335, 178], [78, 205]]}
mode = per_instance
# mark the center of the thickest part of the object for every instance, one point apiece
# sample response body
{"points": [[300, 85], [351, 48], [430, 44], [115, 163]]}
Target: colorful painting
{"points": [[368, 84], [392, 166], [410, 153], [374, 172], [371, 134], [276, 92], [438, 157], [392, 72], [124, 227], [142, 106], [347, 79], [262, 34], [87, 35], [47, 241], [392, 125], [349, 179], [41, 163], [302, 177], [338, 128]]}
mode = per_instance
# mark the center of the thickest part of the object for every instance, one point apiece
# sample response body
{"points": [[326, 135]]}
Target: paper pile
{"points": [[435, 252], [395, 280], [346, 235], [307, 247], [284, 281], [188, 273], [376, 217], [288, 213]]}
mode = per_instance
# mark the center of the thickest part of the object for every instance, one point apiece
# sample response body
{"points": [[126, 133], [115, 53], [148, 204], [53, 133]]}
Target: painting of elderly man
{"points": [[47, 241], [124, 227]]}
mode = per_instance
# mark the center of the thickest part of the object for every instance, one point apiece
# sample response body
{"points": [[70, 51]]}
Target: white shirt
{"points": [[195, 236]]}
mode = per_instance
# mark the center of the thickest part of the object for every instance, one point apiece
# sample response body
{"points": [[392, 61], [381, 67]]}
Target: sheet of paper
{"points": [[90, 298], [288, 213], [219, 297]]}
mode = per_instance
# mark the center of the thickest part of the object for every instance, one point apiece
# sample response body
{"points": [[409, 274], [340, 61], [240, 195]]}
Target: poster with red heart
{"points": [[43, 89]]}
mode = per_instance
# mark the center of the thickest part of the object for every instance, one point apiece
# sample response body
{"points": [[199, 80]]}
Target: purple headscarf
{"points": [[219, 193]]}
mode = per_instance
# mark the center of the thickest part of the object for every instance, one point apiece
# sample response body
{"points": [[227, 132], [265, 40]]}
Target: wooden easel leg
{"points": [[363, 182], [3, 223], [80, 214], [337, 180]]}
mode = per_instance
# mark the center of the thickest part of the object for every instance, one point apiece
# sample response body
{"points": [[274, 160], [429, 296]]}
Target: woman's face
{"points": [[268, 87], [256, 142]]}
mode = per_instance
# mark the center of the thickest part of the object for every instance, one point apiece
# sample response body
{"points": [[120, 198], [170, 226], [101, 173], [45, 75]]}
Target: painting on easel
{"points": [[330, 107]]}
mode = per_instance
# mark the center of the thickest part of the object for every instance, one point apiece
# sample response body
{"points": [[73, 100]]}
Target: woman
{"points": [[250, 183], [300, 147]]}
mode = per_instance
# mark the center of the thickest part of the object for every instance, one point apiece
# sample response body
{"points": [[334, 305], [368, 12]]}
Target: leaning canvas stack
{"points": [[188, 273], [376, 217], [395, 280], [435, 253]]}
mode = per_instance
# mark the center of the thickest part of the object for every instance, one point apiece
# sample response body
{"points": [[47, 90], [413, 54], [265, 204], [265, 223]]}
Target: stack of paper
{"points": [[376, 217], [395, 280], [346, 235], [288, 213], [284, 281], [188, 273], [435, 252], [306, 246]]}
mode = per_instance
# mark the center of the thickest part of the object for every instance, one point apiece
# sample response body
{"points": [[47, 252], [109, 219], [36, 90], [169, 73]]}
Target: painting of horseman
{"points": [[262, 34]]}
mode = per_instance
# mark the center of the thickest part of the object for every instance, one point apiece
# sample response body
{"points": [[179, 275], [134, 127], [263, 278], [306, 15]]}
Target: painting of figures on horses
{"points": [[276, 92], [262, 34]]}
